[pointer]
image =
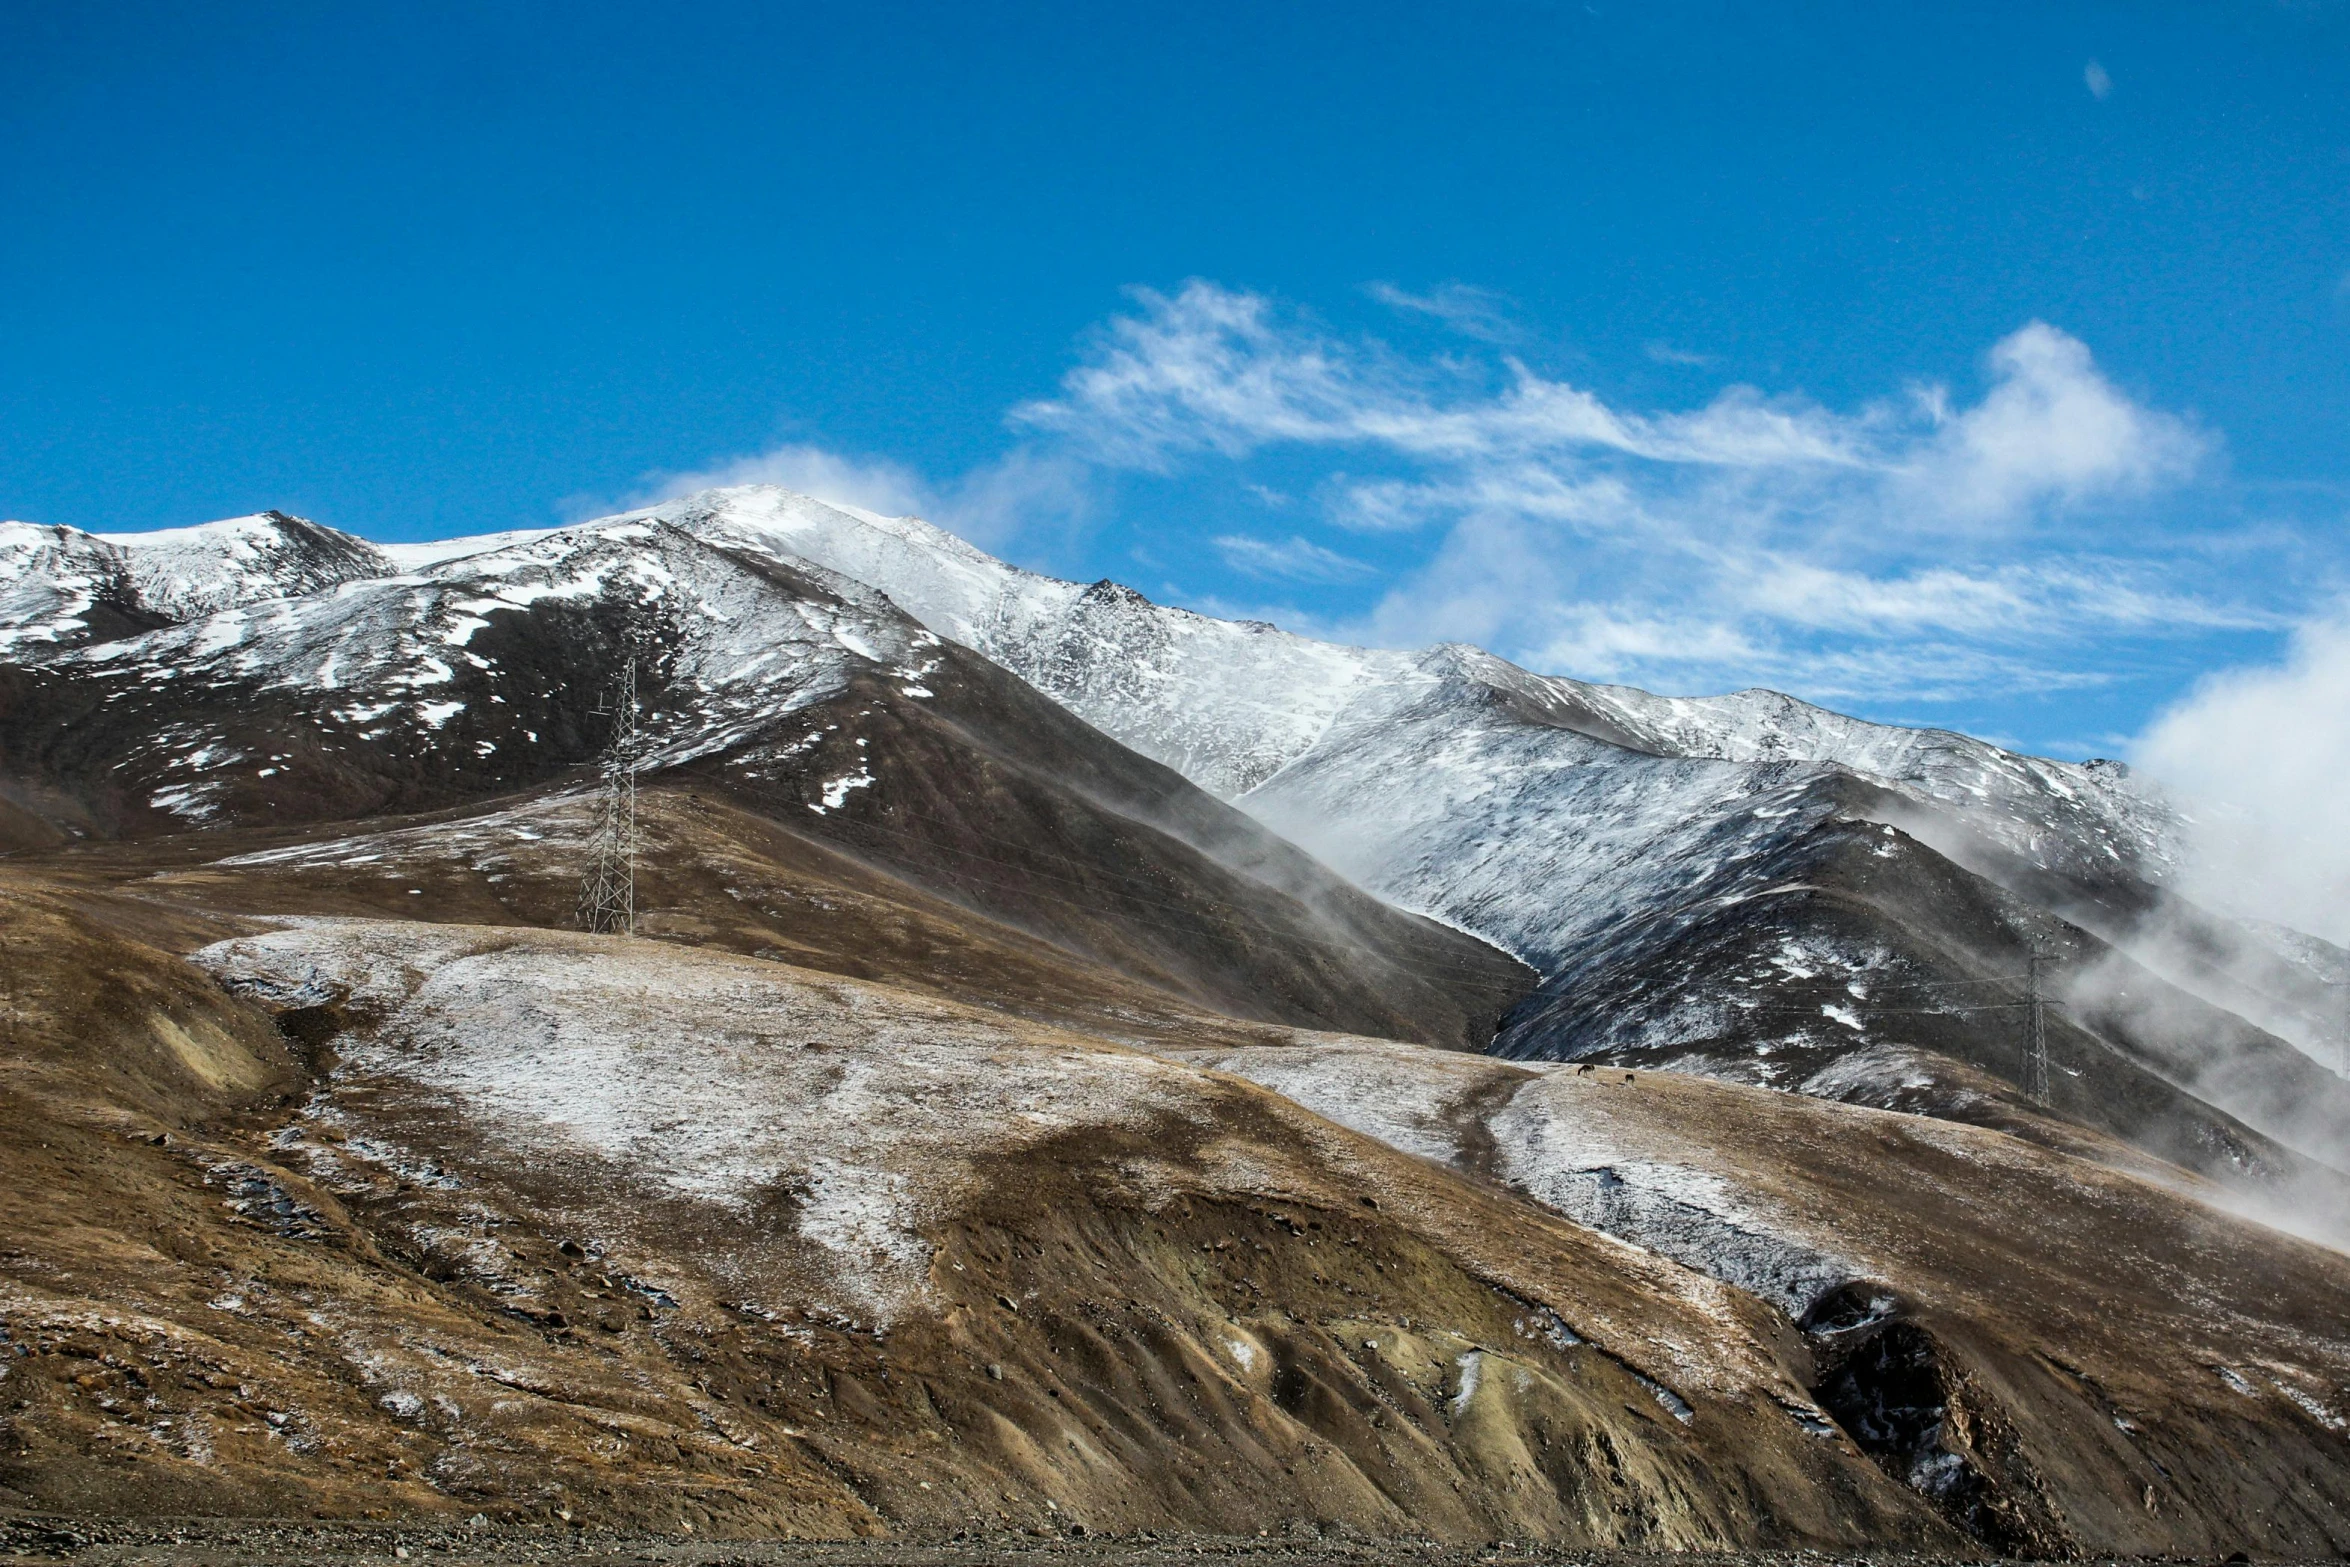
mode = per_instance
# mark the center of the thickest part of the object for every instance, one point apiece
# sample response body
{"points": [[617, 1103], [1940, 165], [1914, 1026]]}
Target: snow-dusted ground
{"points": [[636, 1070], [50, 580], [1558, 1137], [824, 1130], [626, 1072], [187, 573], [491, 844]]}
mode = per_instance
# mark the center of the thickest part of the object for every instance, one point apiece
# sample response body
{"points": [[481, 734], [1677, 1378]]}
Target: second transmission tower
{"points": [[607, 893]]}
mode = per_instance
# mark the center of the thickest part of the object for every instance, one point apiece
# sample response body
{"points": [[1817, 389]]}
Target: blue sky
{"points": [[1977, 364]]}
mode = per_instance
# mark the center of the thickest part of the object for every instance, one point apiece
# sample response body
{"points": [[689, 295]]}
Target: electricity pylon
{"points": [[607, 893], [2036, 1041]]}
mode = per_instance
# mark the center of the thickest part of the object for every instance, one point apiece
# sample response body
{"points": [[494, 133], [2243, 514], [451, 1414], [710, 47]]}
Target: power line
{"points": [[2034, 1077], [1866, 1011], [1121, 892], [852, 828], [1119, 887]]}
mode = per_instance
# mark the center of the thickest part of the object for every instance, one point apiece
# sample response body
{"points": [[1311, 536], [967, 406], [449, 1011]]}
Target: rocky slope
{"points": [[810, 1256], [2037, 1390], [407, 1220]]}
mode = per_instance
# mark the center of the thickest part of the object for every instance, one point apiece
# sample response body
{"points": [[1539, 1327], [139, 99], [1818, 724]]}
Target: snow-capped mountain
{"points": [[1232, 705], [1530, 809], [61, 585], [258, 705], [1684, 872]]}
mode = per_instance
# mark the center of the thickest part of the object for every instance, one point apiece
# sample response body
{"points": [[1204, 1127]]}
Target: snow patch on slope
{"points": [[1547, 1131], [1550, 1146], [647, 1070], [55, 581], [187, 573]]}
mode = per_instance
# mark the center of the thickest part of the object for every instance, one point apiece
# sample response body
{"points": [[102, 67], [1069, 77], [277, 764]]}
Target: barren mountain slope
{"points": [[801, 696], [2060, 1354], [518, 1222], [535, 1224]]}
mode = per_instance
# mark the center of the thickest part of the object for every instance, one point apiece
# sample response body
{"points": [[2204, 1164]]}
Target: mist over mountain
{"points": [[1060, 1031]]}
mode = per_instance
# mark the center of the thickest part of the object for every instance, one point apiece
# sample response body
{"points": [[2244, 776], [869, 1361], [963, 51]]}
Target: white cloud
{"points": [[2052, 428], [1290, 560], [1904, 546], [1025, 489], [1211, 370], [1023, 493], [2264, 753], [876, 486], [1473, 312]]}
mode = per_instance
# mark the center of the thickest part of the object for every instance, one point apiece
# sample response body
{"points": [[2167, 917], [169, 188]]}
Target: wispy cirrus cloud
{"points": [[1473, 312], [1290, 560], [1666, 354], [1902, 548]]}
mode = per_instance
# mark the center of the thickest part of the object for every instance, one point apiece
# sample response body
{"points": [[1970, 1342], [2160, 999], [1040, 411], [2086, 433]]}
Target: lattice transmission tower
{"points": [[607, 893], [2036, 1040]]}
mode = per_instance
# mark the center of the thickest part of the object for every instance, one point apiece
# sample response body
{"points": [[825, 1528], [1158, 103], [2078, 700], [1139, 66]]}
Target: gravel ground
{"points": [[215, 1543]]}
